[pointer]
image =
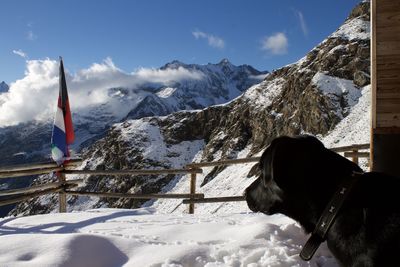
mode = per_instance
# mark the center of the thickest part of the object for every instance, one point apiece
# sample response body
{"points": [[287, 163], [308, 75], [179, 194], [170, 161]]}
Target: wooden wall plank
{"points": [[386, 41], [388, 105], [388, 19], [388, 47], [389, 33], [388, 120], [387, 6]]}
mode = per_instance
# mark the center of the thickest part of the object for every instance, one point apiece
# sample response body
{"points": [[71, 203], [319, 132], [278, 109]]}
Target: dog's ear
{"points": [[266, 164]]}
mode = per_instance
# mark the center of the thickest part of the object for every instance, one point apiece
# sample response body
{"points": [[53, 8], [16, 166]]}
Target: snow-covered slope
{"points": [[233, 180], [111, 237]]}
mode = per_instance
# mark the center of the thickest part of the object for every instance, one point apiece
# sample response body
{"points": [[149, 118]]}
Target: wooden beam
{"points": [[214, 200], [133, 172], [373, 67], [350, 148], [34, 188], [257, 159], [134, 196], [356, 154], [387, 130], [192, 191], [41, 165], [62, 197], [19, 173], [223, 162], [29, 196]]}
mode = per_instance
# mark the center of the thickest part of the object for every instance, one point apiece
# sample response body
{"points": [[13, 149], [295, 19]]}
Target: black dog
{"points": [[298, 178]]}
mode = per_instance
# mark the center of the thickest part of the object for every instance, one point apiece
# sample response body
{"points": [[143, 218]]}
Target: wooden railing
{"points": [[64, 187]]}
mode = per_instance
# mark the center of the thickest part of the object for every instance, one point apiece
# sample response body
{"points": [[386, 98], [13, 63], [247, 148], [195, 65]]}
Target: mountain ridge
{"points": [[157, 99]]}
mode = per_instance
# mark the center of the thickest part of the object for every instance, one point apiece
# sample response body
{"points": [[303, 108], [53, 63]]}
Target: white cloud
{"points": [[276, 44], [34, 96], [31, 36], [20, 53], [302, 21], [213, 41]]}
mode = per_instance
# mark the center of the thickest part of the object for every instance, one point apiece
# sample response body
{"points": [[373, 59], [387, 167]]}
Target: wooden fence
{"points": [[65, 187]]}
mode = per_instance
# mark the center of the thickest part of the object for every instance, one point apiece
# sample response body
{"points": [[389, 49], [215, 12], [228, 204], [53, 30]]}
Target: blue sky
{"points": [[150, 33]]}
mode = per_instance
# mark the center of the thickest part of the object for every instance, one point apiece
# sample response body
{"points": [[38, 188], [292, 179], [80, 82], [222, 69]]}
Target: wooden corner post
{"points": [[192, 191], [62, 196], [355, 155]]}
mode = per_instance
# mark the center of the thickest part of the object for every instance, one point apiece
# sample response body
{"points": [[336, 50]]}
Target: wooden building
{"points": [[385, 79]]}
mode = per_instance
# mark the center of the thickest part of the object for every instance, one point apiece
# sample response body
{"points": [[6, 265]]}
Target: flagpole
{"points": [[63, 133], [63, 130]]}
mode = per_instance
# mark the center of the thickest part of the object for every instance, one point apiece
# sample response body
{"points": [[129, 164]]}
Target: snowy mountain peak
{"points": [[174, 64], [225, 62], [3, 87]]}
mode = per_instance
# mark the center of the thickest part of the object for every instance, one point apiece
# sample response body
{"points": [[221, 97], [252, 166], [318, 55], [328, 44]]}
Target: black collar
{"points": [[328, 217]]}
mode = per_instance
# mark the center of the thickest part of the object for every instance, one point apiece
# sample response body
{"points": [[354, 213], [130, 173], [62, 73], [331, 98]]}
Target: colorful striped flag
{"points": [[63, 131]]}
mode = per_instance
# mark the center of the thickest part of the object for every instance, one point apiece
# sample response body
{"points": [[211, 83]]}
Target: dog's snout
{"points": [[251, 204], [249, 199]]}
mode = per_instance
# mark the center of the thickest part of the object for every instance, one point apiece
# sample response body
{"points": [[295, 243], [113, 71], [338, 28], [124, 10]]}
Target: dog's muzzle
{"points": [[249, 196], [265, 199]]}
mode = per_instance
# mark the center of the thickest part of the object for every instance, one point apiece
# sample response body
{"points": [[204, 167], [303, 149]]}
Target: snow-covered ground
{"points": [[139, 238]]}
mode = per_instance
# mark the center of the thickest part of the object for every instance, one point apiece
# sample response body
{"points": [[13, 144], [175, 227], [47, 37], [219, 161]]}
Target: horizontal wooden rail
{"points": [[42, 165], [257, 159], [223, 162], [10, 174], [133, 172], [28, 196], [134, 196], [350, 148], [214, 200], [356, 154], [39, 187]]}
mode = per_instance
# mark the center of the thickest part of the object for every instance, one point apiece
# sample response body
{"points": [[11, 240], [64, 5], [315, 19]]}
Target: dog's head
{"points": [[298, 176]]}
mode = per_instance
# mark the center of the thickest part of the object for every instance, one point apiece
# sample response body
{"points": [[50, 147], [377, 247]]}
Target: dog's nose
{"points": [[250, 202]]}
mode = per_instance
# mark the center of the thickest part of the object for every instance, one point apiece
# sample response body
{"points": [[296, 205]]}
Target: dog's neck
{"points": [[329, 216], [306, 213], [307, 209]]}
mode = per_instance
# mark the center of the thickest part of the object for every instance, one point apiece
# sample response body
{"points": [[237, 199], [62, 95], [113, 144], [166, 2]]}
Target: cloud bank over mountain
{"points": [[34, 96]]}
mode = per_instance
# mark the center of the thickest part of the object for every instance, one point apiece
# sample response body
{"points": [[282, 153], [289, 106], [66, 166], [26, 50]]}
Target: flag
{"points": [[63, 131]]}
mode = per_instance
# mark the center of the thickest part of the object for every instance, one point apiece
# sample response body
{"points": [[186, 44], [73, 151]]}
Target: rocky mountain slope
{"points": [[206, 85], [310, 96]]}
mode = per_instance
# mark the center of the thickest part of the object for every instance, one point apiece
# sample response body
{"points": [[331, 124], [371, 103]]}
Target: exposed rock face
{"points": [[310, 96]]}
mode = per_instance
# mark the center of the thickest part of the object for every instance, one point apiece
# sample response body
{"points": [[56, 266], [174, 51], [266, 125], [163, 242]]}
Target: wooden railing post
{"points": [[62, 196], [355, 156], [192, 191]]}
